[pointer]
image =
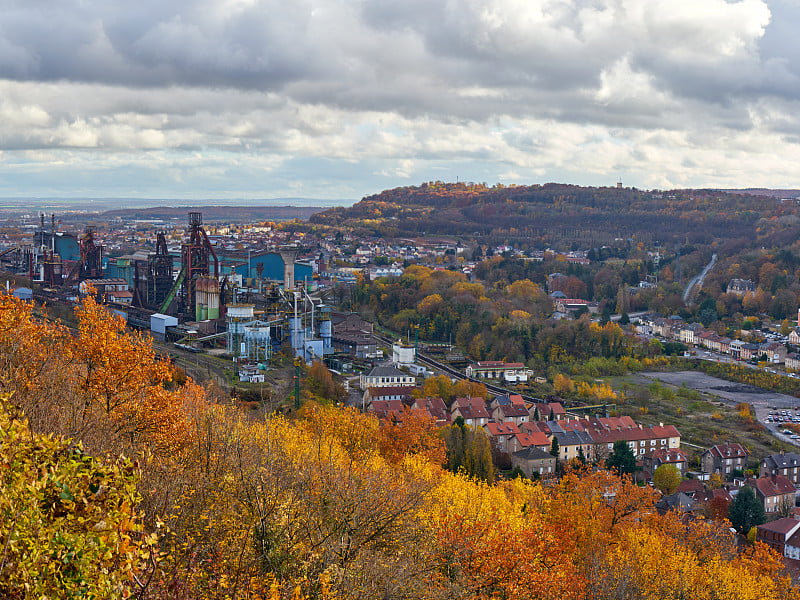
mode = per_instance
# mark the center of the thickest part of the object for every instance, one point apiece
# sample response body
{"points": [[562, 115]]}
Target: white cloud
{"points": [[654, 91]]}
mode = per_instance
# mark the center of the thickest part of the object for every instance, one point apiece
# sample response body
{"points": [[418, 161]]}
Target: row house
{"points": [[472, 410], [594, 436], [667, 328], [506, 400], [724, 459], [641, 439], [570, 443], [786, 464], [511, 413], [548, 411], [688, 332], [775, 351], [792, 362]]}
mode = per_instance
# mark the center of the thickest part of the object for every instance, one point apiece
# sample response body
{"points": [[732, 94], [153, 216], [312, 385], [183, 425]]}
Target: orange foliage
{"points": [[415, 433]]}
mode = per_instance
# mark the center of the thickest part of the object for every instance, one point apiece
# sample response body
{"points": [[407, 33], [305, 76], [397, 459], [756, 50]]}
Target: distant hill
{"points": [[83, 206], [217, 213], [559, 215], [767, 192]]}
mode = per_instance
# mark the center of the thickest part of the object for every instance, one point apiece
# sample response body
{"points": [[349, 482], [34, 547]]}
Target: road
{"points": [[698, 281]]}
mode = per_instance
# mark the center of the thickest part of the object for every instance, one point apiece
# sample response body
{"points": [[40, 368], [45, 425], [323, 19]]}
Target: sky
{"points": [[338, 99]]}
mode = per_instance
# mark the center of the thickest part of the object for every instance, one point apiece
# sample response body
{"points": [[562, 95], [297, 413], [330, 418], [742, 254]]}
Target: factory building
{"points": [[273, 268]]}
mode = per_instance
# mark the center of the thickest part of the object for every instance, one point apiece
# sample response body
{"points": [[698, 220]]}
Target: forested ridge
{"points": [[119, 480], [555, 213]]}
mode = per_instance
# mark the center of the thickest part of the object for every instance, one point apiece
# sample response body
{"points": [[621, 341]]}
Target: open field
{"points": [[734, 393], [703, 408]]}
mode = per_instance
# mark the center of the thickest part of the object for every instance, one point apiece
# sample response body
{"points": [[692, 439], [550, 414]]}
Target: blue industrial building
{"points": [[273, 268], [66, 244]]}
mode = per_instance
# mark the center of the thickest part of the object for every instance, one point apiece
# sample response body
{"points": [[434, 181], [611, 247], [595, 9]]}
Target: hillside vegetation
{"points": [[559, 214], [116, 482]]}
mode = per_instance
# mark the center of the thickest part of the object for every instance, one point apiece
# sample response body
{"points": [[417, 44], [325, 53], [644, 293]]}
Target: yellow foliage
{"points": [[601, 391]]}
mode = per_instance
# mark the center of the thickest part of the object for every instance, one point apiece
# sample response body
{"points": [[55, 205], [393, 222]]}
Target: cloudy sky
{"points": [[342, 98]]}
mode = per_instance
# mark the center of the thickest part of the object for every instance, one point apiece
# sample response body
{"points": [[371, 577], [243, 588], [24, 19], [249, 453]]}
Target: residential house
{"points": [[526, 439], [386, 376], [500, 434], [546, 409], [655, 458], [775, 351], [705, 497], [794, 336], [691, 487], [776, 534], [676, 502], [792, 362], [749, 351], [569, 443], [511, 413], [506, 400], [472, 410], [387, 409], [776, 493], [792, 547], [533, 460], [786, 464], [724, 459], [436, 408]]}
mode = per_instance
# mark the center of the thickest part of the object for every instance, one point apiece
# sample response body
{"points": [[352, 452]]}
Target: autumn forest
{"points": [[121, 481]]}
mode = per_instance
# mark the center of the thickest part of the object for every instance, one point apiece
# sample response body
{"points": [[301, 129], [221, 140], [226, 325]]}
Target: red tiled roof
{"points": [[471, 412], [496, 429], [509, 410], [470, 402], [774, 485], [690, 486], [781, 526], [536, 438]]}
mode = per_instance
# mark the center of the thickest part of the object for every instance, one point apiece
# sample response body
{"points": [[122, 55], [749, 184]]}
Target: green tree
{"points": [[67, 520], [581, 455], [622, 459], [745, 511], [554, 450], [667, 479]]}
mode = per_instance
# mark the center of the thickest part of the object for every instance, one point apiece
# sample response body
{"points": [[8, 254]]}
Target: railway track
{"points": [[496, 389]]}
